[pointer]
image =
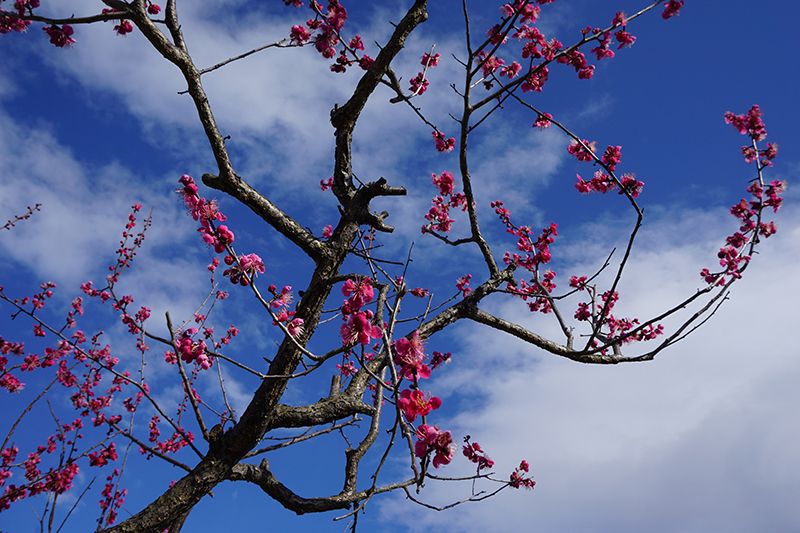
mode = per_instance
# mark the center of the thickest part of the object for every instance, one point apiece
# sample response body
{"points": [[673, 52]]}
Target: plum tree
{"points": [[364, 316]]}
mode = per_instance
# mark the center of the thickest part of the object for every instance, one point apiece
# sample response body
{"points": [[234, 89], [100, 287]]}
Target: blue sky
{"points": [[701, 439]]}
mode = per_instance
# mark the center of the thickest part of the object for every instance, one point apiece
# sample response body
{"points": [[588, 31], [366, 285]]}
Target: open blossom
{"points": [[445, 182], [749, 123], [462, 284], [359, 328], [60, 36], [429, 60], [417, 403], [418, 84], [582, 151], [624, 38], [672, 8], [474, 452], [430, 439], [409, 354], [243, 270], [124, 27], [299, 35], [327, 231], [519, 477], [295, 327], [543, 120], [359, 292], [443, 144]]}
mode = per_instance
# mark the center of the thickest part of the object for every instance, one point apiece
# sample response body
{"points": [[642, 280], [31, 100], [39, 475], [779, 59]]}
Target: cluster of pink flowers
{"points": [[106, 454], [207, 213], [430, 439], [112, 498], [734, 256], [749, 123], [244, 269], [190, 350], [474, 452], [60, 36], [543, 120], [671, 8], [583, 151], [281, 300], [419, 83], [14, 22], [443, 144], [462, 285], [409, 355], [415, 403], [519, 477], [357, 326], [438, 215], [328, 27]]}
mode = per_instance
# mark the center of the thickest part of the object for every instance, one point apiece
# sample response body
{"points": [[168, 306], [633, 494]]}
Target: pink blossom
{"points": [[359, 292], [366, 62], [519, 479], [409, 354], [244, 269], [60, 36], [671, 8], [624, 38], [543, 120], [416, 403], [359, 328], [295, 327], [582, 151], [473, 452], [124, 27], [749, 123], [429, 60], [462, 284], [445, 182], [299, 35], [430, 439], [443, 144], [419, 84]]}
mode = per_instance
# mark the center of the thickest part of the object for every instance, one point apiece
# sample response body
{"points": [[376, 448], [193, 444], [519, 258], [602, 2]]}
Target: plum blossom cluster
{"points": [[280, 303], [190, 350], [597, 311], [414, 403], [325, 32], [357, 326], [604, 181], [737, 251], [243, 268], [519, 19], [443, 144], [60, 35], [532, 251], [520, 477], [438, 215], [474, 452], [419, 83], [432, 440], [112, 498], [14, 21]]}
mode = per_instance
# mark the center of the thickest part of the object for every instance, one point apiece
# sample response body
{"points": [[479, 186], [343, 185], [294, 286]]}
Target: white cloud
{"points": [[702, 439]]}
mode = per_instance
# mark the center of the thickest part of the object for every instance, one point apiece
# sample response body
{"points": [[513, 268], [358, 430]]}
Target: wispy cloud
{"points": [[699, 440]]}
